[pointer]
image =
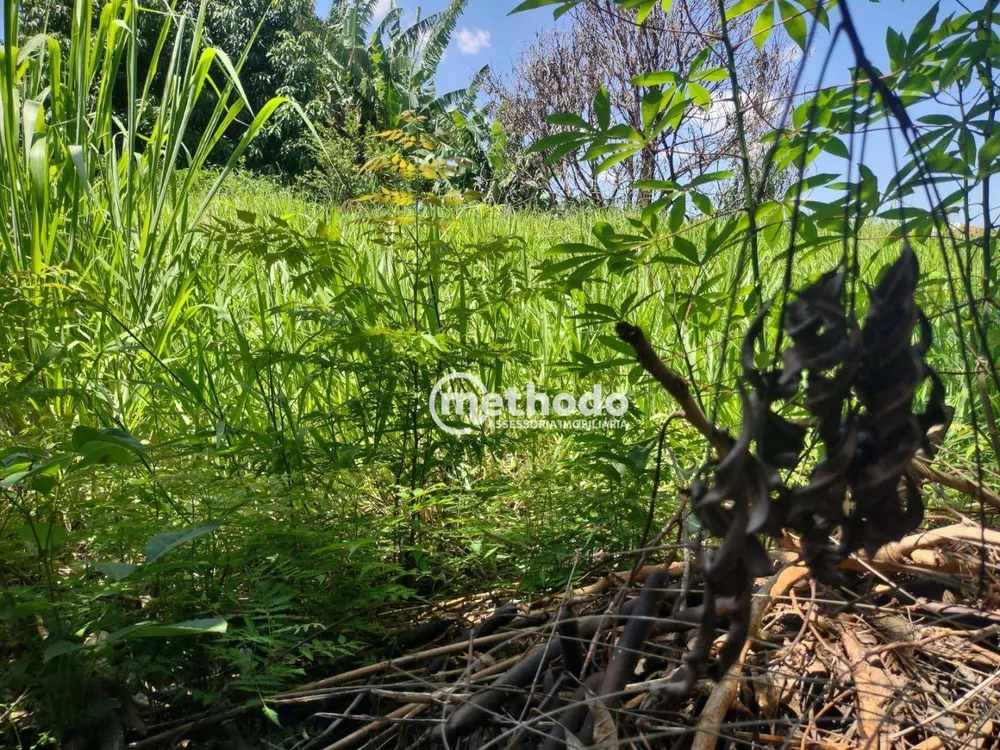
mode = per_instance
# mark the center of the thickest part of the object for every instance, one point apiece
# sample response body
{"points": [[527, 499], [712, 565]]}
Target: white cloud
{"points": [[382, 9], [471, 42]]}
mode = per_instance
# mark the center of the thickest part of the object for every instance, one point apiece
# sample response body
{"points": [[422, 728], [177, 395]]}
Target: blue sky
{"points": [[487, 35]]}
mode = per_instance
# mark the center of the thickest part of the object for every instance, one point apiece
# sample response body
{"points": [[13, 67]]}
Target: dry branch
{"points": [[724, 693], [680, 389], [675, 385], [961, 484], [899, 551], [872, 694]]}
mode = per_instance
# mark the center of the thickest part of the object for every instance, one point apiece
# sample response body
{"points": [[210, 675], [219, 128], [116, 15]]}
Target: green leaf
{"points": [[116, 571], [586, 262], [234, 76], [939, 119], [161, 544], [922, 29], [624, 131], [533, 4], [575, 248], [836, 147], [809, 183], [111, 446], [41, 477], [654, 208], [678, 211], [896, 47], [602, 108], [43, 535], [702, 202], [742, 8], [551, 141], [687, 250], [567, 120], [665, 185], [650, 106], [599, 150], [617, 344], [76, 155], [565, 8], [763, 26], [712, 74], [189, 627], [989, 151], [60, 648], [46, 358], [645, 8], [722, 174], [605, 165], [657, 78], [271, 715], [795, 22], [774, 222], [699, 95]]}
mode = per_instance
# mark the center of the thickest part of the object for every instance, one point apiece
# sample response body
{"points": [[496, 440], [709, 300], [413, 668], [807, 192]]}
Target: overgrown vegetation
{"points": [[218, 474]]}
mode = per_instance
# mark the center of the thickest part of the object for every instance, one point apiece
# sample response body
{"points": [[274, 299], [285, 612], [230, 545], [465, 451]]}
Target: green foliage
{"points": [[218, 474], [351, 77]]}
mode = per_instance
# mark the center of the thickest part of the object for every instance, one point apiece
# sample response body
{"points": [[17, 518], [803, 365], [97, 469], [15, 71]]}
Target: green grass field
{"points": [[218, 474], [278, 381]]}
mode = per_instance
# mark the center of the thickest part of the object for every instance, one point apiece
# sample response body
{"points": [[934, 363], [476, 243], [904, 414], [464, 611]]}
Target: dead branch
{"points": [[675, 385], [724, 693], [899, 551], [872, 694], [959, 484]]}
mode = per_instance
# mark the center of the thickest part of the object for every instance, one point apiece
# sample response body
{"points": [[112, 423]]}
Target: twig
{"points": [[965, 486], [357, 674], [675, 385], [898, 551], [317, 741], [368, 729], [724, 693], [956, 611], [870, 692], [954, 706]]}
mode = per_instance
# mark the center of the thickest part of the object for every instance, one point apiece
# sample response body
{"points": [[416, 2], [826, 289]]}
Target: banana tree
{"points": [[392, 69]]}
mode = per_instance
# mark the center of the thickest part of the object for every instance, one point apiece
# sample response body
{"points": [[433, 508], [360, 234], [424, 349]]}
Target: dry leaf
{"points": [[605, 731]]}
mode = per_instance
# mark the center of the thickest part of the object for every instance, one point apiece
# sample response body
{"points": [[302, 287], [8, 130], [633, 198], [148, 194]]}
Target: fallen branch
{"points": [[680, 389], [957, 611], [353, 676], [961, 484], [871, 687], [898, 551], [368, 729], [774, 739], [621, 577], [721, 699]]}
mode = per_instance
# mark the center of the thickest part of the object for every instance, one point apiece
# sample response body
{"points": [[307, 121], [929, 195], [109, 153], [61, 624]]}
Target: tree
{"points": [[375, 79], [607, 47]]}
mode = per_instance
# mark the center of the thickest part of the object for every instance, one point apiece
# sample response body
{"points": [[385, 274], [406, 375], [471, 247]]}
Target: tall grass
{"points": [[275, 356], [98, 168]]}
